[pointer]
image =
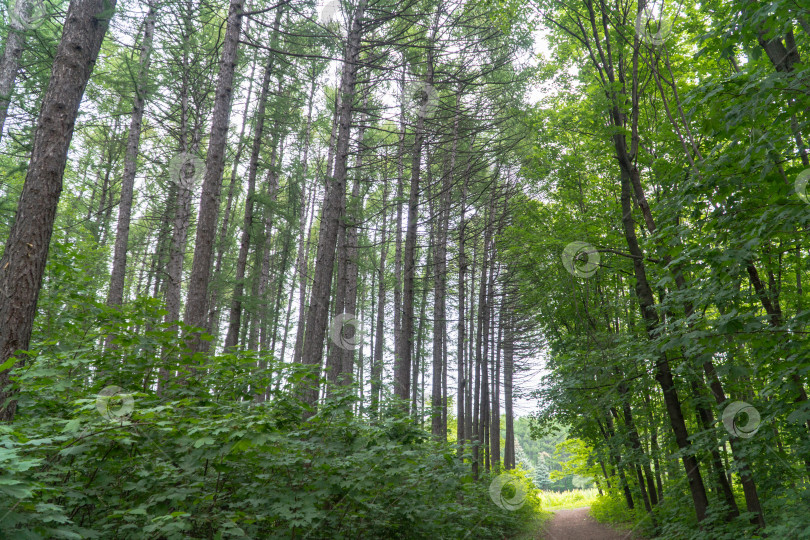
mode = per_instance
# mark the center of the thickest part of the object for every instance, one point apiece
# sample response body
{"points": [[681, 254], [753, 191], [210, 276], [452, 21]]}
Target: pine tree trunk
{"points": [[303, 247], [23, 263], [116, 292], [495, 424], [12, 52], [317, 314], [417, 398], [403, 361], [377, 362], [438, 429], [196, 313], [224, 238], [508, 369], [264, 276], [352, 269], [472, 388], [235, 316], [340, 359]]}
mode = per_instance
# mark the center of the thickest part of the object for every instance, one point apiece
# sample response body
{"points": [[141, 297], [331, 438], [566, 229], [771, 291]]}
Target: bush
{"points": [[224, 466]]}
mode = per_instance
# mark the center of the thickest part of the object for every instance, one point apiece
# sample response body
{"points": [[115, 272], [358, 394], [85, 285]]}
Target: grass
{"points": [[562, 500]]}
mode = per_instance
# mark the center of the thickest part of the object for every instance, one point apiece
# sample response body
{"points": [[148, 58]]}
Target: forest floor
{"points": [[576, 524]]}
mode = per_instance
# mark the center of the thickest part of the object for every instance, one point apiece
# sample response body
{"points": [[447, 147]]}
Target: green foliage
{"points": [[576, 498], [612, 509], [538, 451], [216, 462], [717, 149]]}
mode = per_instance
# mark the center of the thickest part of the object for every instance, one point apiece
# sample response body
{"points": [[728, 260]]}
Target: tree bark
{"points": [[224, 237], [352, 270], [196, 313], [438, 425], [508, 369], [303, 246], [312, 352], [23, 263], [663, 373], [116, 293], [235, 317], [398, 244], [495, 424], [10, 61], [377, 363]]}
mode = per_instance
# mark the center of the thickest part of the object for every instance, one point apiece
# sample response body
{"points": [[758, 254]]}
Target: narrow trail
{"points": [[576, 524]]}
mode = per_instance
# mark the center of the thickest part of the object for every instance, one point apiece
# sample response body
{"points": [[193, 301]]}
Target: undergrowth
{"points": [[221, 464]]}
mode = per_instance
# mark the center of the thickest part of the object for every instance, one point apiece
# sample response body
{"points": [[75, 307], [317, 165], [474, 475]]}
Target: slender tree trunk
{"points": [[403, 362], [438, 427], [317, 314], [634, 455], [469, 406], [12, 52], [609, 436], [508, 369], [116, 292], [303, 247], [654, 447], [398, 245], [481, 345], [462, 375], [340, 359], [352, 270], [196, 313], [264, 275], [235, 319], [663, 373], [377, 363], [224, 237], [281, 279], [486, 309], [418, 367], [255, 317], [177, 253]]}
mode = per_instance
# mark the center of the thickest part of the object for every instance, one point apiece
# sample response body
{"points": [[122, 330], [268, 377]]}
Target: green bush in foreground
{"points": [[209, 470], [670, 522], [224, 466]]}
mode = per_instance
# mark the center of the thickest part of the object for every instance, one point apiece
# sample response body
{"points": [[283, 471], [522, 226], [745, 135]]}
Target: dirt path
{"points": [[578, 525]]}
